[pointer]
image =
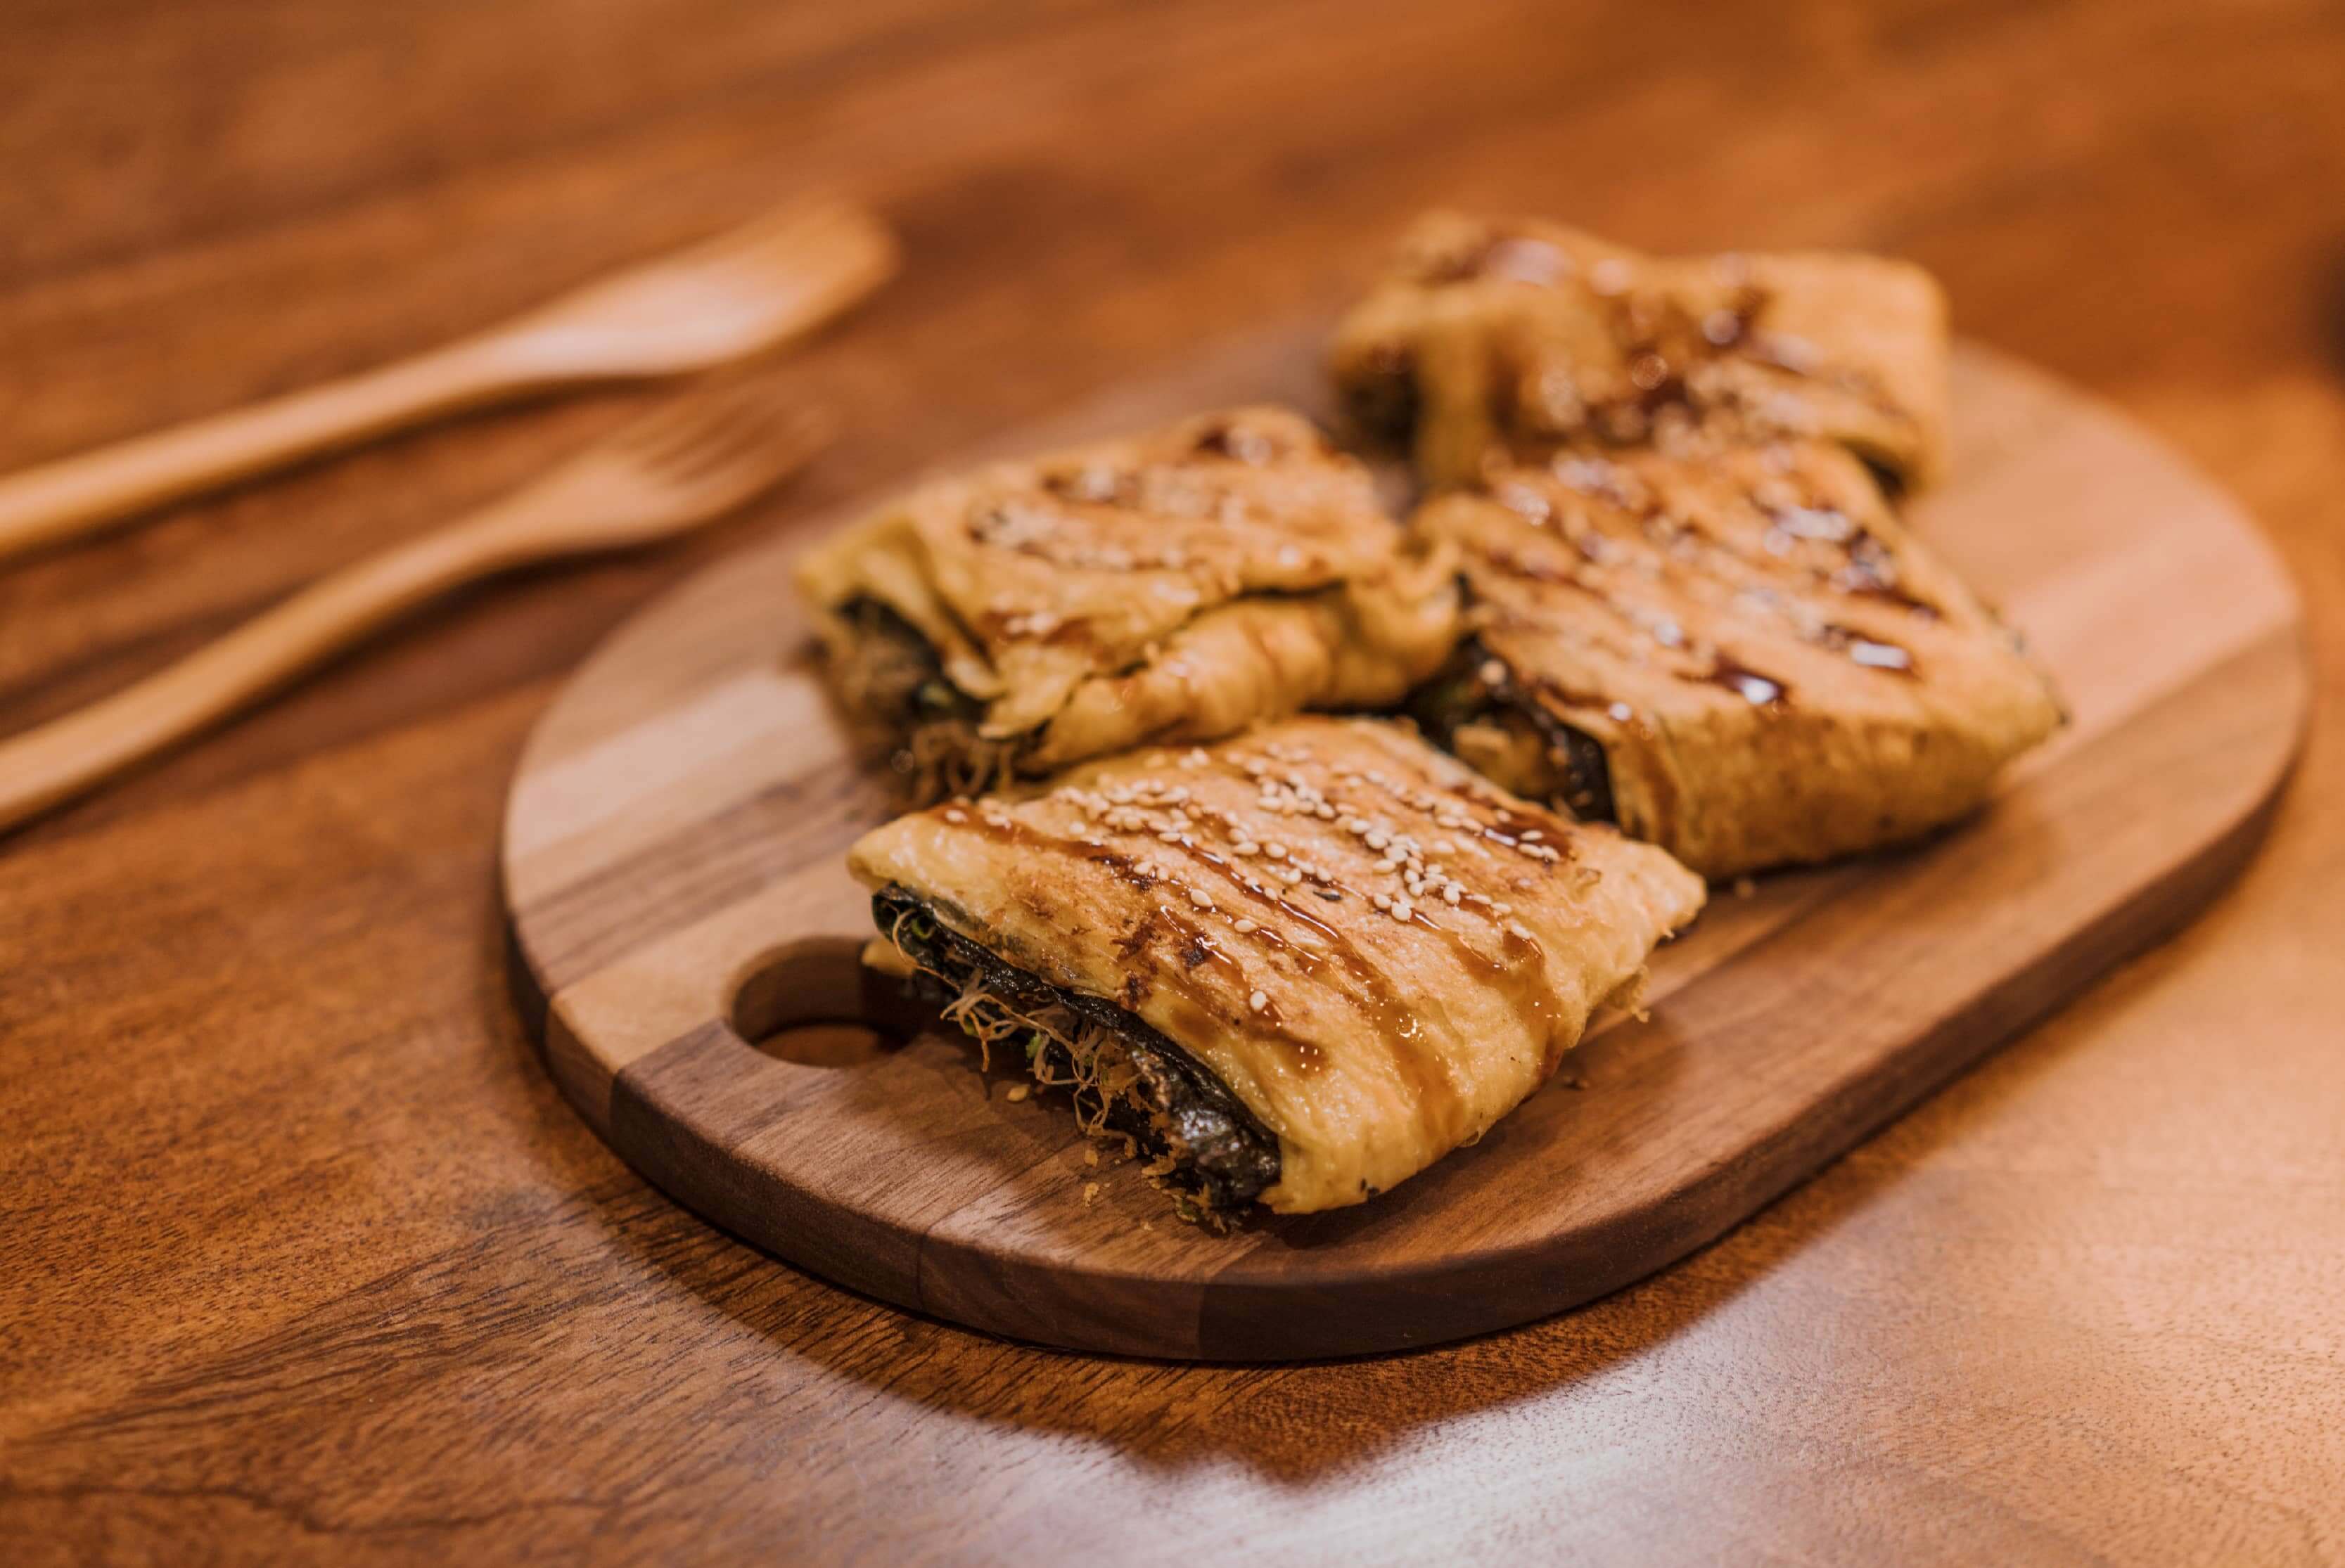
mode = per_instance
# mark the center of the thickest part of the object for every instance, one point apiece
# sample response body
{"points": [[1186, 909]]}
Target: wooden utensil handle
{"points": [[74, 495], [54, 762]]}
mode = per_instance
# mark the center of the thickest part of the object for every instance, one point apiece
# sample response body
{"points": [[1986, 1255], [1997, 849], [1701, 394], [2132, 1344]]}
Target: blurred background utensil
{"points": [[682, 467], [728, 298]]}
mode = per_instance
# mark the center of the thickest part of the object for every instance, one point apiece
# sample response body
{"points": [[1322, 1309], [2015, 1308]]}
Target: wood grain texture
{"points": [[700, 742], [304, 1258], [733, 296], [690, 463]]}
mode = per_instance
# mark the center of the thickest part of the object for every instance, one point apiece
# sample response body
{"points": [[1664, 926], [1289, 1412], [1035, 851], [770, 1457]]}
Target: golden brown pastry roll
{"points": [[1515, 337], [1297, 966], [1175, 586], [1737, 653]]}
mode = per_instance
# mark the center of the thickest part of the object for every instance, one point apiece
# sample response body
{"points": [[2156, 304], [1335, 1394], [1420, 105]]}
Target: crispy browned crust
{"points": [[1514, 337], [1775, 669], [1173, 586], [1373, 950]]}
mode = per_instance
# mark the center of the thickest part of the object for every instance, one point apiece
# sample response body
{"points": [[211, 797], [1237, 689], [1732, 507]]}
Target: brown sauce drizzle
{"points": [[1397, 1021], [1762, 692], [1872, 573], [1870, 652], [1196, 947], [1529, 994], [1190, 937], [1012, 831], [1517, 969], [1306, 1056]]}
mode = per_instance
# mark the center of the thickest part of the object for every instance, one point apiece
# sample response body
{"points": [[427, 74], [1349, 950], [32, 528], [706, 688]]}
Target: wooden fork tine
{"points": [[797, 267], [685, 422], [719, 476], [744, 428], [754, 444]]}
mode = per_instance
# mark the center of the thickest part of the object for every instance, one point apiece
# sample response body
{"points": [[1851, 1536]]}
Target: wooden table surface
{"points": [[269, 1290]]}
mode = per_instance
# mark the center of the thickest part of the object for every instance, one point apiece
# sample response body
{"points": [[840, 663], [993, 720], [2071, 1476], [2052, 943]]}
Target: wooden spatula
{"points": [[733, 296], [671, 472]]}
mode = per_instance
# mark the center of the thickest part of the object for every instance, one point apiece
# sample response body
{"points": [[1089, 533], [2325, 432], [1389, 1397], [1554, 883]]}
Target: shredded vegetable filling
{"points": [[1129, 1086]]}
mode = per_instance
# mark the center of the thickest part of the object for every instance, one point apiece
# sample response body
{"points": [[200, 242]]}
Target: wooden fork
{"points": [[728, 297], [656, 479]]}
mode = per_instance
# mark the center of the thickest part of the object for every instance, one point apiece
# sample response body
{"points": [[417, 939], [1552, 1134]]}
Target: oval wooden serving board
{"points": [[672, 877]]}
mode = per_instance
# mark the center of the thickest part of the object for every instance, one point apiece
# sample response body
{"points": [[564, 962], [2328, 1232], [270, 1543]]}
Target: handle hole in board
{"points": [[815, 1004]]}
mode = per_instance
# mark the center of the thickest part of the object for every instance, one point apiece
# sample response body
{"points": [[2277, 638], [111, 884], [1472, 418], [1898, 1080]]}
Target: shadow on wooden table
{"points": [[1292, 1422]]}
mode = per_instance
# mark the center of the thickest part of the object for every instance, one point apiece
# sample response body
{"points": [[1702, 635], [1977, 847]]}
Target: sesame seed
{"points": [[1517, 928], [956, 815], [1382, 902], [1246, 927], [1246, 846], [1378, 840], [1533, 836], [1201, 898], [1402, 909], [1501, 909], [1276, 851], [1452, 894], [1386, 866], [1258, 1001]]}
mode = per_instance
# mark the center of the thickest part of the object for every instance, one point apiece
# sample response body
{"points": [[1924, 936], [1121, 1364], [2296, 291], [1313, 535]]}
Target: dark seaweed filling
{"points": [[1459, 693], [1381, 405], [900, 674], [885, 669], [1221, 1152]]}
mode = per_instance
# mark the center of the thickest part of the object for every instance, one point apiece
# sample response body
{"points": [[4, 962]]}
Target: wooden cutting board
{"points": [[672, 880]]}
